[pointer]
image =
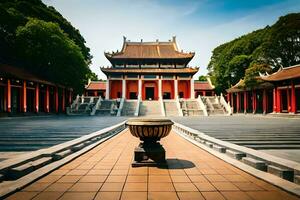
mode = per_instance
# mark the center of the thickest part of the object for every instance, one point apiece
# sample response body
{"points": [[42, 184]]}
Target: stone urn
{"points": [[149, 131]]}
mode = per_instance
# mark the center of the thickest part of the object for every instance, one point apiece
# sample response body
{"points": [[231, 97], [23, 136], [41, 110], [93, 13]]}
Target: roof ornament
{"points": [[124, 38], [141, 40], [174, 38], [261, 74]]}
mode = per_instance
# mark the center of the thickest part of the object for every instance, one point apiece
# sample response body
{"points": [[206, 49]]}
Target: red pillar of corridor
{"points": [[245, 101], [24, 97], [278, 101], [288, 100], [63, 106], [238, 102], [254, 101], [293, 98], [56, 99], [70, 97], [8, 97], [264, 101], [47, 99], [274, 100], [37, 98]]}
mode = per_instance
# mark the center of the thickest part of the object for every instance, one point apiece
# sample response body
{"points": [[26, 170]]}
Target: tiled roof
{"points": [[150, 50], [9, 71], [203, 85], [151, 71], [240, 86], [96, 85], [284, 74]]}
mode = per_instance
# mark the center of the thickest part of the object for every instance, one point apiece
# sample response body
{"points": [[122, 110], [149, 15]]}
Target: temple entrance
{"points": [[167, 95], [132, 95], [30, 100], [15, 100], [284, 102], [149, 93], [297, 94]]}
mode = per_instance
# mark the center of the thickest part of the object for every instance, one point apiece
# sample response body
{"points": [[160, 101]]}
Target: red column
{"points": [[231, 100], [288, 100], [63, 106], [237, 102], [70, 97], [274, 100], [24, 97], [37, 93], [245, 101], [47, 99], [278, 100], [254, 101], [293, 98], [8, 97], [228, 97], [204, 93], [56, 99], [264, 101]]}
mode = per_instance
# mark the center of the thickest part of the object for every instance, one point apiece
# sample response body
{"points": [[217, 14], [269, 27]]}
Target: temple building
{"points": [[22, 92], [277, 93], [149, 70]]}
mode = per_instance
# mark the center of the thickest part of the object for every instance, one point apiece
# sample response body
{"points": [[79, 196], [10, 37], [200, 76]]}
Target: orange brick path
{"points": [[105, 173]]}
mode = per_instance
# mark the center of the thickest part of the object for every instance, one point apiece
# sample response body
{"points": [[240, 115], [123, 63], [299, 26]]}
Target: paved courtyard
{"points": [[105, 172], [274, 135]]}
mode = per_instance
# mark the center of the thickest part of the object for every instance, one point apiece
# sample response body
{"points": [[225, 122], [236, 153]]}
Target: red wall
{"points": [[131, 86], [184, 86], [168, 86], [150, 84], [115, 87]]}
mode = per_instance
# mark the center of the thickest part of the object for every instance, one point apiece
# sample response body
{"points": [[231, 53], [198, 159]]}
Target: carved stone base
{"points": [[149, 154]]}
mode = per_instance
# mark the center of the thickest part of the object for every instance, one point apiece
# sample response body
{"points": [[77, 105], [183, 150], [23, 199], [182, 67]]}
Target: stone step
{"points": [[297, 179], [27, 168], [286, 174], [61, 154], [235, 154], [219, 148], [258, 164]]}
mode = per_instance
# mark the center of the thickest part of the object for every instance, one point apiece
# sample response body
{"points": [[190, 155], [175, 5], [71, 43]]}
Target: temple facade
{"points": [[277, 93], [149, 71]]}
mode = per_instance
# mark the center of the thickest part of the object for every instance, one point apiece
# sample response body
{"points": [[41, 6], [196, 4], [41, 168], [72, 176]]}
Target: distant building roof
{"points": [[240, 86], [283, 74], [96, 85], [149, 50], [151, 71], [203, 85]]}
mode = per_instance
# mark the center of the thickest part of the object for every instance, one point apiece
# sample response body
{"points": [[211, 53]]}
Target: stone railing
{"points": [[120, 107], [13, 172], [209, 104], [96, 106], [225, 105], [137, 109], [257, 163], [202, 105], [162, 107], [180, 113]]}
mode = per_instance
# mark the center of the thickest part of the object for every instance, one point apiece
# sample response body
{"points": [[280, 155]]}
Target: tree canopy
{"points": [[37, 37], [264, 50]]}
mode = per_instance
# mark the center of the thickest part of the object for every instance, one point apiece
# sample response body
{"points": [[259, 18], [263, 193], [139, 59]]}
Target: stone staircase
{"points": [[150, 108], [213, 106], [170, 107], [190, 107], [107, 107], [84, 105], [129, 107]]}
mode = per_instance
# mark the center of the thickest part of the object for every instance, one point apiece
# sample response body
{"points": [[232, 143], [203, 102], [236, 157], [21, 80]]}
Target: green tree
{"points": [[252, 74], [202, 78], [277, 45], [53, 54]]}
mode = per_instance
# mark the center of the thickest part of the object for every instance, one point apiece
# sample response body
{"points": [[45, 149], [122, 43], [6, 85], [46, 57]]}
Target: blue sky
{"points": [[200, 25]]}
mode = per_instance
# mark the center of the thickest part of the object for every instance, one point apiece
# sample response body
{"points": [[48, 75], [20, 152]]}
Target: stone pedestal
{"points": [[149, 153]]}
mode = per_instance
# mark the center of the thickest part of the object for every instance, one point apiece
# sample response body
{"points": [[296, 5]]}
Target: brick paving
{"points": [[105, 172]]}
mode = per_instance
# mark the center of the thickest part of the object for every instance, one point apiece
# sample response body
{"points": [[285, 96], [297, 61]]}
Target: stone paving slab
{"points": [[105, 172]]}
